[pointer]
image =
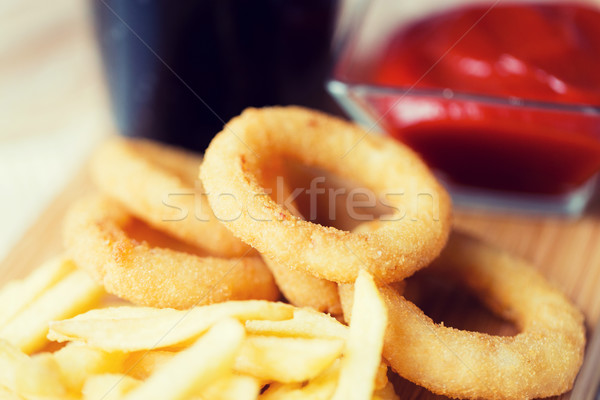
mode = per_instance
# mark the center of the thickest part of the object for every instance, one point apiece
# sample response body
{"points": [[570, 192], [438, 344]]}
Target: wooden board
{"points": [[566, 251]]}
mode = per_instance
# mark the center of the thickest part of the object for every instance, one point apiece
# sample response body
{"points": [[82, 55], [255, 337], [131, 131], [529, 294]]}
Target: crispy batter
{"points": [[304, 290], [411, 241], [159, 184], [155, 276], [541, 361], [298, 287]]}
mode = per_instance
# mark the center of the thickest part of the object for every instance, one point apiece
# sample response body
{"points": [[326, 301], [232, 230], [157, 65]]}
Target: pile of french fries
{"points": [[59, 340]]}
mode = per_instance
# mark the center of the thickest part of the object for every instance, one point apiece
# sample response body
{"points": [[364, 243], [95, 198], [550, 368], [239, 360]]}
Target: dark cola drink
{"points": [[178, 70]]}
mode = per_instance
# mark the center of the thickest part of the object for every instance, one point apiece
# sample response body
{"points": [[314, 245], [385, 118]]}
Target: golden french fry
{"points": [[122, 329], [9, 394], [320, 388], [386, 393], [124, 313], [142, 364], [362, 354], [17, 295], [74, 294], [10, 358], [39, 377], [282, 391], [108, 386], [306, 323], [76, 362], [193, 369], [286, 359], [381, 379], [232, 387]]}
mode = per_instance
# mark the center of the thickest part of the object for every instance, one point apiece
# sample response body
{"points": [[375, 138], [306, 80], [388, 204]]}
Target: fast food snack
{"points": [[126, 328], [365, 341], [299, 288], [159, 184], [541, 361], [248, 349], [306, 322], [305, 290], [154, 276], [412, 236], [18, 294], [67, 292], [193, 369]]}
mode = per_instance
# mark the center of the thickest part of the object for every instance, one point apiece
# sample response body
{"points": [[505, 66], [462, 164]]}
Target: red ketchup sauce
{"points": [[546, 53]]}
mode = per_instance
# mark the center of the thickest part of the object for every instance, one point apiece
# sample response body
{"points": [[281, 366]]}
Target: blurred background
{"points": [[53, 105]]}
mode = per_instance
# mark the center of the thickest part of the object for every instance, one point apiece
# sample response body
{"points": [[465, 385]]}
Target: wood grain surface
{"points": [[566, 251]]}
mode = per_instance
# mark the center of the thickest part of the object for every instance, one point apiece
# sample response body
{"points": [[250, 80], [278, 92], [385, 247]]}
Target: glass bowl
{"points": [[492, 149]]}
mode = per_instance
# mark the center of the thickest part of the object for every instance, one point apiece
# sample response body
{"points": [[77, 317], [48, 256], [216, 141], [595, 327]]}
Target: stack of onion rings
{"points": [[309, 260]]}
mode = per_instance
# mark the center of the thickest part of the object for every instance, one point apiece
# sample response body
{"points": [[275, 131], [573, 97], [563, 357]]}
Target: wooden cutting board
{"points": [[566, 251]]}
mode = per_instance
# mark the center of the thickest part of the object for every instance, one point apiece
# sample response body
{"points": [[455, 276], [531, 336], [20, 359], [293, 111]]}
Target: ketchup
{"points": [[535, 71]]}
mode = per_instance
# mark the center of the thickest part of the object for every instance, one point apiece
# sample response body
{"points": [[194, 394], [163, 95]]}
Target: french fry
{"points": [[282, 391], [306, 323], [142, 364], [39, 377], [381, 379], [362, 354], [386, 393], [74, 294], [121, 329], [108, 386], [8, 394], [286, 359], [18, 294], [232, 387], [77, 362], [193, 369], [10, 359], [320, 388]]}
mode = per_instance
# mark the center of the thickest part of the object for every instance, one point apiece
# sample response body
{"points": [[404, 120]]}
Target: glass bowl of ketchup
{"points": [[501, 99]]}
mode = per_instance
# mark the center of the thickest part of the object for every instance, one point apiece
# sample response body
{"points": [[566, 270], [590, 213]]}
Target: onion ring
{"points": [[304, 290], [414, 236], [541, 361], [159, 184], [153, 276], [298, 287]]}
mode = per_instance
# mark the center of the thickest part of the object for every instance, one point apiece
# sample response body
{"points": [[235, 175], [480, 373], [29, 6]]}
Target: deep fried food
{"points": [[362, 359], [304, 290], [159, 184], [155, 276], [413, 235], [298, 287], [541, 361]]}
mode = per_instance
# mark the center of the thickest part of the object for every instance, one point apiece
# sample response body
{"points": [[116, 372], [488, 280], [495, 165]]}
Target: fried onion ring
{"points": [[96, 239], [304, 290], [541, 361], [298, 287], [414, 235], [159, 184]]}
